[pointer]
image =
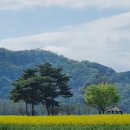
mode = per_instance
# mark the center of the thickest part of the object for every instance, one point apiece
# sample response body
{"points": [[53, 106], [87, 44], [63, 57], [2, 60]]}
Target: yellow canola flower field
{"points": [[67, 120]]}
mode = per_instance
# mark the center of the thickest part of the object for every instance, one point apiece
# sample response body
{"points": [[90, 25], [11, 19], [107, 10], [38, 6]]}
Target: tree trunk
{"points": [[27, 108], [52, 106], [100, 111], [47, 104], [47, 108], [103, 111], [52, 109], [33, 111]]}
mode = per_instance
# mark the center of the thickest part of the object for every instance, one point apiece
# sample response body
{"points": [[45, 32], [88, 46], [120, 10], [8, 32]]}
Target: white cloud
{"points": [[106, 41], [21, 4], [56, 49]]}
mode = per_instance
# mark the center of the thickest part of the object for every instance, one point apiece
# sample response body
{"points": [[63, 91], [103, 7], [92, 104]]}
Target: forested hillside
{"points": [[12, 64]]}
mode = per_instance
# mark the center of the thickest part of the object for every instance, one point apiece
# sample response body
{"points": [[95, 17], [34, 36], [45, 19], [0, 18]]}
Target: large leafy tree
{"points": [[41, 85], [101, 96], [55, 84]]}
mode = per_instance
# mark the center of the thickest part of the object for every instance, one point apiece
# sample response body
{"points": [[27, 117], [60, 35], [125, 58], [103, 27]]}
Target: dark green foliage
{"points": [[55, 84], [41, 85], [25, 89]]}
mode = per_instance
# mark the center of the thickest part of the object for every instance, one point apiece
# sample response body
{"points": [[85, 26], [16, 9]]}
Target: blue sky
{"points": [[96, 30], [39, 20]]}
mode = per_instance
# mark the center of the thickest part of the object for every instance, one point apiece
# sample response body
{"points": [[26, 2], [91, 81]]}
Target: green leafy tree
{"points": [[101, 96]]}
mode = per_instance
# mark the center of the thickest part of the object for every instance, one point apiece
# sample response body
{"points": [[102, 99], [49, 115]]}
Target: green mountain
{"points": [[12, 64]]}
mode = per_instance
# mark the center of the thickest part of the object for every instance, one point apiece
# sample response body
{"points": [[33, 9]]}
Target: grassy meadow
{"points": [[61, 127], [92, 122]]}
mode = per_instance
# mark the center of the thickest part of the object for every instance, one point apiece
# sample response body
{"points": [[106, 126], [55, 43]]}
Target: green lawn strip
{"points": [[64, 127]]}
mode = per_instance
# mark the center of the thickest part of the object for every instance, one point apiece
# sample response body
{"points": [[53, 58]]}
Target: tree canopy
{"points": [[41, 85], [101, 96]]}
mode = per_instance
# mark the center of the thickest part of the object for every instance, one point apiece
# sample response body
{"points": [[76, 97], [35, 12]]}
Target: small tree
{"points": [[101, 96]]}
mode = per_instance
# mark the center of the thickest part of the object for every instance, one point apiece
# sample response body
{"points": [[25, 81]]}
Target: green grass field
{"points": [[41, 127]]}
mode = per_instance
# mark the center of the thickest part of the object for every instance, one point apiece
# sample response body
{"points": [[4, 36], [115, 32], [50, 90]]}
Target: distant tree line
{"points": [[10, 108]]}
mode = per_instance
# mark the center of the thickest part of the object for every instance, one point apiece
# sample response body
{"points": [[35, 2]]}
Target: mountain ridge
{"points": [[12, 64]]}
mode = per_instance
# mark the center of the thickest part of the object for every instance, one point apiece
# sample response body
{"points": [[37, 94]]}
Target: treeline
{"points": [[11, 108], [47, 87], [42, 85]]}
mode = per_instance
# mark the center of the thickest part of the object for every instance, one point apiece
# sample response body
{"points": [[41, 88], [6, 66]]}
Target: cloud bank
{"points": [[106, 41], [101, 4]]}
